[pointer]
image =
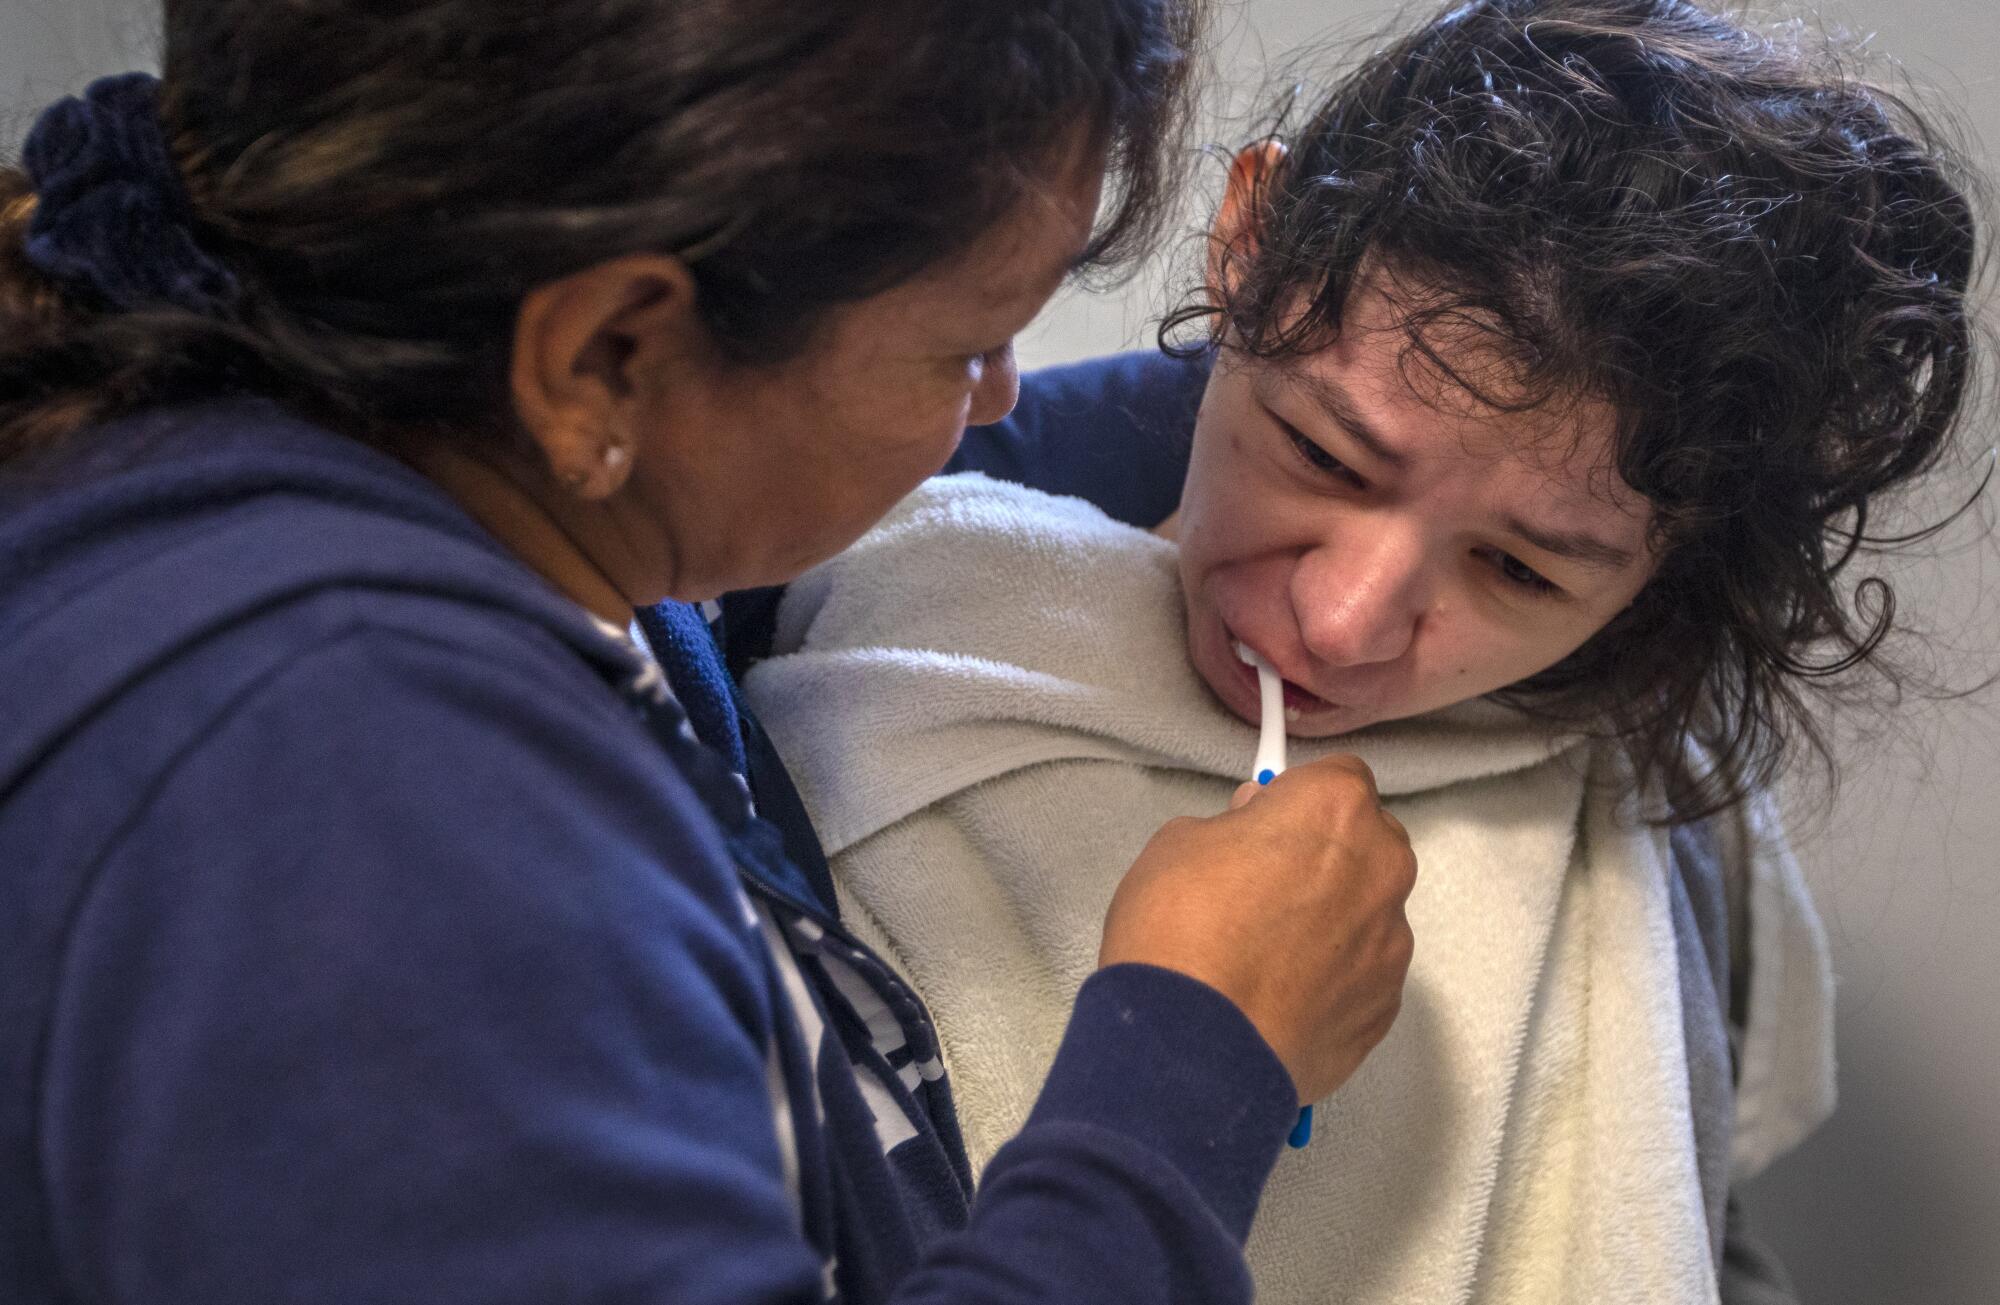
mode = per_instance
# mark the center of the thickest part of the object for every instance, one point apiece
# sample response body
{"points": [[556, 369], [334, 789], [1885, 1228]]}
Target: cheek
{"points": [[854, 475], [886, 470], [887, 424], [1228, 510], [1485, 657]]}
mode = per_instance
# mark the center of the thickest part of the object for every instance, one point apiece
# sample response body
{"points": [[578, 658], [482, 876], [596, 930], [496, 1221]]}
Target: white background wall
{"points": [[1897, 1201], [50, 48]]}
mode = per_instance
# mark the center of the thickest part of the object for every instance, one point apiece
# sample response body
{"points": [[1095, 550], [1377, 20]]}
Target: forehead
{"points": [[1448, 384], [1028, 253], [994, 286]]}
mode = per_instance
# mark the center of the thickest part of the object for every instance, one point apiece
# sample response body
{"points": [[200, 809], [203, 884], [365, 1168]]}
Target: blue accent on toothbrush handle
{"points": [[1266, 776]]}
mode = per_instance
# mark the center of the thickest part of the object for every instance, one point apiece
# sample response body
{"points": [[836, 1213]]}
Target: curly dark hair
{"points": [[387, 179], [1759, 260]]}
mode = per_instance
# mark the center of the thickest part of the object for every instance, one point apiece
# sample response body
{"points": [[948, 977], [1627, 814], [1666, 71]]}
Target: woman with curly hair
{"points": [[1553, 368]]}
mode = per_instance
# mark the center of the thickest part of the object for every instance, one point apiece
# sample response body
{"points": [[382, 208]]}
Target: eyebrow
{"points": [[1584, 549], [995, 297], [1331, 400]]}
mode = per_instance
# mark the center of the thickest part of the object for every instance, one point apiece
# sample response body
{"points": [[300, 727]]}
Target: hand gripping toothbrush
{"points": [[1270, 764]]}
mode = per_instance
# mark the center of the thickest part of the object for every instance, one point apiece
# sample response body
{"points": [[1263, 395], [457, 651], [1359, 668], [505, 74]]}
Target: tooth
{"points": [[1292, 714]]}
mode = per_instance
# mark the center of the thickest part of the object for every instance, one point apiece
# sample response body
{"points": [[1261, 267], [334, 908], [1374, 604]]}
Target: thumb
{"points": [[1244, 792]]}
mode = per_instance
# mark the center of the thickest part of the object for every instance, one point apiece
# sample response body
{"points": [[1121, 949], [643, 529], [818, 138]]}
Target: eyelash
{"points": [[1526, 578], [1529, 581], [1319, 459]]}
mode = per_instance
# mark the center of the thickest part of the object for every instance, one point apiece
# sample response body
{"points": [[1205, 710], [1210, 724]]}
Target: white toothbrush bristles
{"points": [[1271, 717]]}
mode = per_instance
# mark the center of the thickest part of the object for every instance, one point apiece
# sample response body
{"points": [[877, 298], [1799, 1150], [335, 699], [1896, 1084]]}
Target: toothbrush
{"points": [[1270, 764]]}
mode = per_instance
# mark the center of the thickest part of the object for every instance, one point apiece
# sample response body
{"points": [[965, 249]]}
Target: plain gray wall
{"points": [[50, 48], [1897, 1200]]}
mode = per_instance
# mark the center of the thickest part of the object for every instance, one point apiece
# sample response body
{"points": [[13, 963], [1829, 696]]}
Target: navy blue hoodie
{"points": [[373, 928]]}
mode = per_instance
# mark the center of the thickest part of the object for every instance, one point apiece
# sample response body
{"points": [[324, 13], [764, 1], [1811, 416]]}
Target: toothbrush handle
{"points": [[1269, 764], [1302, 1132]]}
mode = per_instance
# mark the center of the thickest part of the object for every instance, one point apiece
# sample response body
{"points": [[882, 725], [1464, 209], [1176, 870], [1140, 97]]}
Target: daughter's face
{"points": [[1390, 544]]}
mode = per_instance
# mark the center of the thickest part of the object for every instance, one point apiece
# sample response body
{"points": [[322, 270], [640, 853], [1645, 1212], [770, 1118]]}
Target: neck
{"points": [[529, 514]]}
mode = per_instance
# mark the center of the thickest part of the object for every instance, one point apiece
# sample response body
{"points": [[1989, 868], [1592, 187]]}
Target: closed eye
{"points": [[1319, 459], [1523, 577]]}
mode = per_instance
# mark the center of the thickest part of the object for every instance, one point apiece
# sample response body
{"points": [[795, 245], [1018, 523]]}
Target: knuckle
{"points": [[1366, 775], [1385, 1020], [1402, 946], [1344, 769]]}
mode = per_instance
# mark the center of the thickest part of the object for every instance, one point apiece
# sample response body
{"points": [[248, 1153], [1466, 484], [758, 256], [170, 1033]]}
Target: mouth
{"points": [[1300, 702]]}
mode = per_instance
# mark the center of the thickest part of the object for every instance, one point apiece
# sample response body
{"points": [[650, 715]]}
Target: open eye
{"points": [[1319, 459]]}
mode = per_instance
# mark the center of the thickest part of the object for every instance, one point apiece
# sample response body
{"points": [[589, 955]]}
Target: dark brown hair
{"points": [[1762, 263], [388, 180]]}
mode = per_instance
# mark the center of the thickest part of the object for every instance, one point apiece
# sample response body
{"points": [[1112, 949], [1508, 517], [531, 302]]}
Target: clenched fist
{"points": [[1291, 905]]}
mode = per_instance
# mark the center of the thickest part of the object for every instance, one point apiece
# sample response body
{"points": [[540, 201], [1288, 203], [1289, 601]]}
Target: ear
{"points": [[1234, 234], [586, 349]]}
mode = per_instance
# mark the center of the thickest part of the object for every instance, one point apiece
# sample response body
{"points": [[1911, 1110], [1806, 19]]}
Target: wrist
{"points": [[1175, 1065]]}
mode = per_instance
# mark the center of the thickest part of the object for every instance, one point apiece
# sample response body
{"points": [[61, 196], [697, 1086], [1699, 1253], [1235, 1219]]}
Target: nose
{"points": [[998, 386], [1357, 601]]}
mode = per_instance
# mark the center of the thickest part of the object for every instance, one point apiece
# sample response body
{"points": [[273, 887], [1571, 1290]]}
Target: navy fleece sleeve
{"points": [[1140, 1167], [1115, 431], [420, 979]]}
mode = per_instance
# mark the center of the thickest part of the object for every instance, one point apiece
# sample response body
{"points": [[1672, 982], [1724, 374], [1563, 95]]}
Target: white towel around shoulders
{"points": [[988, 709]]}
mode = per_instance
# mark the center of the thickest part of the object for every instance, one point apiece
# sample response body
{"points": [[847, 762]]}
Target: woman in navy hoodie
{"points": [[381, 918]]}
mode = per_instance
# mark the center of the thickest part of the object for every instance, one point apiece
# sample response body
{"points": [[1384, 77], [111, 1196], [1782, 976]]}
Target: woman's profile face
{"points": [[760, 472], [1388, 542]]}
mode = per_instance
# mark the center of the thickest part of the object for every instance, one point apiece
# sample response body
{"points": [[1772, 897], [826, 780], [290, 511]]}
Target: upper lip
{"points": [[1274, 664]]}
